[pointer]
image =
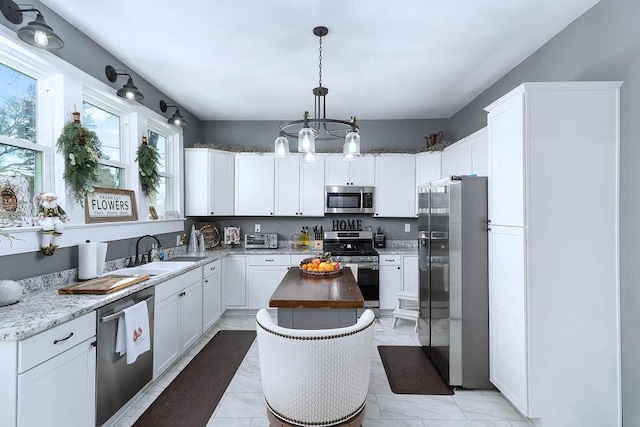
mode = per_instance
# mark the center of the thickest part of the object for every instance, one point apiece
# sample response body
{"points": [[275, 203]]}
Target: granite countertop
{"points": [[42, 308]]}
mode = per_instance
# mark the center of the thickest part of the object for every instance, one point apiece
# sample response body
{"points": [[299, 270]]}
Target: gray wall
{"points": [[603, 44], [399, 134]]}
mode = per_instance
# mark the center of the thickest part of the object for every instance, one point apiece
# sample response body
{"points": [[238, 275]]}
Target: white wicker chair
{"points": [[315, 377]]}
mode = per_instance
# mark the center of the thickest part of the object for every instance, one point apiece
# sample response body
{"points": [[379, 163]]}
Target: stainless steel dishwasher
{"points": [[116, 381]]}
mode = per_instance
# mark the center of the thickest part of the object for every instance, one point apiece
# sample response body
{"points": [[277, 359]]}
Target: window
{"points": [[20, 154], [163, 199], [108, 127]]}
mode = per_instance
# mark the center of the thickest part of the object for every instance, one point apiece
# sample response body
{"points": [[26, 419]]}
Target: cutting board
{"points": [[103, 285]]}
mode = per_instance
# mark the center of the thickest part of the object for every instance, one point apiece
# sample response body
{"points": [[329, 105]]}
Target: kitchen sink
{"points": [[141, 271], [186, 258]]}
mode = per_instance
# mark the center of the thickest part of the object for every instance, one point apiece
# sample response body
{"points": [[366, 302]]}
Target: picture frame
{"points": [[110, 205]]}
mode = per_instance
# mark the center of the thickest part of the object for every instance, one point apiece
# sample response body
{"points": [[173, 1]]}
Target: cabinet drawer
{"points": [[39, 348], [212, 267], [269, 259], [390, 259], [171, 286]]}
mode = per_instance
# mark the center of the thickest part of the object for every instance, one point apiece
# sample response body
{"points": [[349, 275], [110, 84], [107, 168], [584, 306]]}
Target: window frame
{"points": [[99, 100], [173, 145]]}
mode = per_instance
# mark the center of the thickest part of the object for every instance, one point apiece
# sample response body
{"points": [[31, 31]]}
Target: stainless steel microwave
{"points": [[348, 199]]}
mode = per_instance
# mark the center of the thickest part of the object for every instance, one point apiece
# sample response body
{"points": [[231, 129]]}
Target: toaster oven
{"points": [[261, 241]]}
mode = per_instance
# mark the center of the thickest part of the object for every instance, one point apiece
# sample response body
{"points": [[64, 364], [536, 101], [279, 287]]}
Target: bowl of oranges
{"points": [[321, 265]]}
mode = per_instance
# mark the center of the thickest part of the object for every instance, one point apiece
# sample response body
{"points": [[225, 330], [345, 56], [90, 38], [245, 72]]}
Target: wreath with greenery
{"points": [[81, 149], [147, 158]]}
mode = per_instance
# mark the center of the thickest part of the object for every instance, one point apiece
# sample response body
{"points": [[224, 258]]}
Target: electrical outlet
{"points": [[257, 228], [407, 228]]}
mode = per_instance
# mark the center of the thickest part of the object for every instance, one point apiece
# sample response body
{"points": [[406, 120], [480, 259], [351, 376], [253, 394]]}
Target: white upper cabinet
{"points": [[254, 184], [208, 182], [359, 172], [456, 159], [299, 187], [395, 192], [480, 153], [428, 168], [467, 156]]}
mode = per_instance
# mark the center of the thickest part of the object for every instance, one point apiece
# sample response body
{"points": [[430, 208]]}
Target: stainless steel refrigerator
{"points": [[453, 263]]}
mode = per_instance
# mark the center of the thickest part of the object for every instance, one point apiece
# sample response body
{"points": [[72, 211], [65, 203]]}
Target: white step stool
{"points": [[405, 313]]}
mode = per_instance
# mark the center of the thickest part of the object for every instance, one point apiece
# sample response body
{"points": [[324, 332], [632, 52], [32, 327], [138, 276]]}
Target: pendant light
{"points": [[319, 127]]}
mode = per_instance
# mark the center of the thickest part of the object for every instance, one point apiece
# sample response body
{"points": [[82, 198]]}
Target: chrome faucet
{"points": [[138, 261]]}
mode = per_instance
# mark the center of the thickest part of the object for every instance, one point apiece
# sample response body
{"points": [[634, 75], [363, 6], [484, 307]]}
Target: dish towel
{"points": [[133, 336]]}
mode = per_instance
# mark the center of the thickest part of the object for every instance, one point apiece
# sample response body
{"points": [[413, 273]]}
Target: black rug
{"points": [[410, 371], [192, 396]]}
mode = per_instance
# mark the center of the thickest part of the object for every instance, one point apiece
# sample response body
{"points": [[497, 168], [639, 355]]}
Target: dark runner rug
{"points": [[410, 371], [193, 395]]}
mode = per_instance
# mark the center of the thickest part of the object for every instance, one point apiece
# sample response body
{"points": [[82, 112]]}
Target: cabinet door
{"points": [[190, 310], [363, 171], [337, 171], [456, 159], [198, 182], [507, 321], [410, 274], [390, 285], [254, 184], [312, 187], [395, 192], [234, 289], [287, 186], [61, 391], [506, 162], [211, 297], [166, 334], [480, 153], [428, 168], [223, 181], [262, 282]]}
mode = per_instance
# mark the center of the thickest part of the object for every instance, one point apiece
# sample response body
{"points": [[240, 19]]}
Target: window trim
{"points": [[173, 148]]}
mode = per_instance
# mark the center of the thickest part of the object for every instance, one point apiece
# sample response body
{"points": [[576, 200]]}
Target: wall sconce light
{"points": [[177, 118], [129, 90], [36, 33]]}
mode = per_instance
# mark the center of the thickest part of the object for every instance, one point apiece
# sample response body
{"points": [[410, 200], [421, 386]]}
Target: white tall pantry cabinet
{"points": [[554, 251]]}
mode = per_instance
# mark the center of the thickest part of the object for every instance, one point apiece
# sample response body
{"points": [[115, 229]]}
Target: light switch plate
{"points": [[257, 228], [407, 228]]}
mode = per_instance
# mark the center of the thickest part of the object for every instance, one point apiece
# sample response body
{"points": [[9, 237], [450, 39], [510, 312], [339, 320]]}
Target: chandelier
{"points": [[319, 127]]}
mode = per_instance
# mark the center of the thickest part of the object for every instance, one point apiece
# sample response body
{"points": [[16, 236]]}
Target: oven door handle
{"points": [[366, 266]]}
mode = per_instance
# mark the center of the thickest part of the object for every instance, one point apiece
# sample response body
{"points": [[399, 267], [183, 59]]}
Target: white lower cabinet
{"points": [[264, 274], [390, 280], [234, 288], [410, 274], [177, 318], [56, 377], [211, 294]]}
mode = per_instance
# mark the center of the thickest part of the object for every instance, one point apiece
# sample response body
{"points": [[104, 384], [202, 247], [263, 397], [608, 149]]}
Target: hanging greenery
{"points": [[147, 158], [81, 150]]}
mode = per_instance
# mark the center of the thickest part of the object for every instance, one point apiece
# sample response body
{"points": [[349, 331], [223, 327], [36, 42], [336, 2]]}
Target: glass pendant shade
{"points": [[308, 157], [281, 147], [306, 140], [351, 146]]}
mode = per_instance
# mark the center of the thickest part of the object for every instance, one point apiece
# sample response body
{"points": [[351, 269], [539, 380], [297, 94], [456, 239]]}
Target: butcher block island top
{"points": [[300, 290]]}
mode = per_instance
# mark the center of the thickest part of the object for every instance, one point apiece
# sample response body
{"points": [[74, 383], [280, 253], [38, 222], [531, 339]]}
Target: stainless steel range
{"points": [[356, 248]]}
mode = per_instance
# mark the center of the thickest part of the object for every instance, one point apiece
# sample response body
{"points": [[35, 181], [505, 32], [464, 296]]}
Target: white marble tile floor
{"points": [[242, 404]]}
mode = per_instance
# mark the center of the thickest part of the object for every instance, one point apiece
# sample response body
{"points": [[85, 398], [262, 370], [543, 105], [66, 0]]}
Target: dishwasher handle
{"points": [[119, 313]]}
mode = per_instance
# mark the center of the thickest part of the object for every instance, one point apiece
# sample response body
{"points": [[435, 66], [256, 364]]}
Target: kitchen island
{"points": [[317, 302]]}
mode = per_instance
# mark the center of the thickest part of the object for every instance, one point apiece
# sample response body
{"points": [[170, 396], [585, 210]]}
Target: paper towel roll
{"points": [[87, 261], [91, 259]]}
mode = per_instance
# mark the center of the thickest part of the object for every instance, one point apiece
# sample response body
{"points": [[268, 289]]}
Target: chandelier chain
{"points": [[320, 63]]}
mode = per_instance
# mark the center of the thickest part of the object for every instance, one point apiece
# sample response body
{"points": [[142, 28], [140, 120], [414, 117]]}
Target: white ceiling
{"points": [[382, 59]]}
